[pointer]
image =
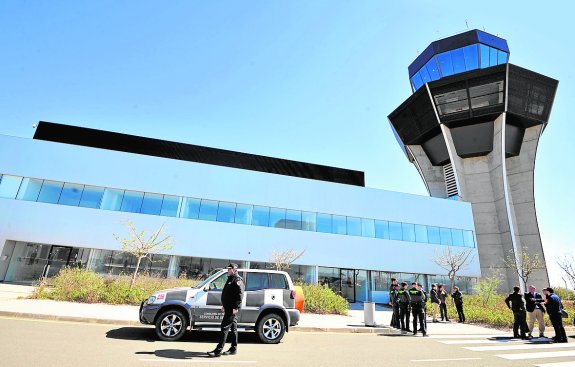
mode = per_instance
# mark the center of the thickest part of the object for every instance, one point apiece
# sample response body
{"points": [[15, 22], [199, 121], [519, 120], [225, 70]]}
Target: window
{"points": [[324, 223], [468, 239], [190, 208], [112, 199], [50, 192], [433, 235], [152, 204], [308, 220], [170, 206], [29, 189], [243, 214], [420, 233], [278, 281], [408, 232], [492, 56], [261, 216], [471, 57], [457, 236], [367, 227], [92, 197], [208, 210], [381, 229], [257, 281], [218, 283], [226, 212], [353, 226], [395, 231], [458, 60], [293, 219], [132, 201], [277, 217], [445, 235], [417, 81], [445, 64], [432, 69], [338, 224], [484, 56], [71, 194], [9, 186]]}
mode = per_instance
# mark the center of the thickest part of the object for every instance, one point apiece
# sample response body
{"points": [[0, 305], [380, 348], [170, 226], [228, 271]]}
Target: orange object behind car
{"points": [[299, 298]]}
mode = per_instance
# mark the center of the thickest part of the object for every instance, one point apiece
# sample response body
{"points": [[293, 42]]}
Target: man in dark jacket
{"points": [[553, 305], [404, 300], [514, 302], [231, 304], [394, 300], [458, 300], [417, 302], [535, 310]]}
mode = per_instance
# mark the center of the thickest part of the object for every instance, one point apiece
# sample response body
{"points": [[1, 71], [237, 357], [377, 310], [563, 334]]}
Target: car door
{"points": [[208, 304], [256, 284]]}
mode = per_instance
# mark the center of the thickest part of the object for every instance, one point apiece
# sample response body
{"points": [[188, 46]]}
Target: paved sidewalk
{"points": [[14, 304]]}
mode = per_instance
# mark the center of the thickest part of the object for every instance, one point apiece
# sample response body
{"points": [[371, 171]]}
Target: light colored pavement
{"points": [[13, 302]]}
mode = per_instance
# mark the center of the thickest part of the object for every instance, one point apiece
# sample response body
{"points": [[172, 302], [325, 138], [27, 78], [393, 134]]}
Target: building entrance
{"points": [[347, 284]]}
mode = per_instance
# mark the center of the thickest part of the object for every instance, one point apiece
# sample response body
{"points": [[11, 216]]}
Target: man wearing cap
{"points": [[554, 306], [231, 304]]}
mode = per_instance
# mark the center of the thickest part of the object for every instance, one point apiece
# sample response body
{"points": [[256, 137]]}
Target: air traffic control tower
{"points": [[471, 129]]}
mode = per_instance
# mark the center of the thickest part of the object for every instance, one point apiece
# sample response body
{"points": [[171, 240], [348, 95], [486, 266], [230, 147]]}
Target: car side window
{"points": [[278, 281], [257, 281], [219, 282]]}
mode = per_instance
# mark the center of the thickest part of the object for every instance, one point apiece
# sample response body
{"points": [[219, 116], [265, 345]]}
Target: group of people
{"points": [[412, 301], [535, 306]]}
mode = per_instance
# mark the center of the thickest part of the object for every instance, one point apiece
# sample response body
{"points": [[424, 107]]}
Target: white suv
{"points": [[268, 306]]}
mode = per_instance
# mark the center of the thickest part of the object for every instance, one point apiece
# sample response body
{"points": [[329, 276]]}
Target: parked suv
{"points": [[268, 306]]}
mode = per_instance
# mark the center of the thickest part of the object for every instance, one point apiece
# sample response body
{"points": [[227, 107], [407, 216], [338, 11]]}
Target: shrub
{"points": [[77, 285], [321, 299]]}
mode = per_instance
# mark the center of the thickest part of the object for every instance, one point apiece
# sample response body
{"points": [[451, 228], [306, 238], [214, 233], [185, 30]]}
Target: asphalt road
{"points": [[25, 342]]}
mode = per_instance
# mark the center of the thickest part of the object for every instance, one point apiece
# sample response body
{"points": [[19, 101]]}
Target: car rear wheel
{"points": [[271, 328], [171, 325]]}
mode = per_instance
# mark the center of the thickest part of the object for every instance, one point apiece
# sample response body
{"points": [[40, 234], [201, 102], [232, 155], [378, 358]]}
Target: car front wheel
{"points": [[171, 325], [271, 328]]}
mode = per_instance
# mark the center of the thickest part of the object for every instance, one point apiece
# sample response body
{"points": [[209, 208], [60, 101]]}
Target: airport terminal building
{"points": [[66, 192]]}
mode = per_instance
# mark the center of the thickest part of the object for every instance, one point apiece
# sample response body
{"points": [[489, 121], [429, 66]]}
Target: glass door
{"points": [[347, 277], [57, 259]]}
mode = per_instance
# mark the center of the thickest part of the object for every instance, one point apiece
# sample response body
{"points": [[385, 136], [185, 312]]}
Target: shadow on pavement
{"points": [[175, 354], [149, 335]]}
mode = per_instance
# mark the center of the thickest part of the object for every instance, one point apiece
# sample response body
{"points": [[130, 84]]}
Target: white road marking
{"points": [[207, 360], [564, 353], [556, 364], [479, 341], [463, 336], [443, 360], [518, 347]]}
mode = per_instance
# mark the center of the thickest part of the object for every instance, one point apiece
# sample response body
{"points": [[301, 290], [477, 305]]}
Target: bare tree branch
{"points": [[453, 261], [282, 260], [527, 264], [567, 264], [140, 247]]}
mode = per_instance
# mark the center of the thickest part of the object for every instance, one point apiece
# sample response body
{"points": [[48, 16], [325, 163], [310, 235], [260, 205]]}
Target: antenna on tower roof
{"points": [[467, 25]]}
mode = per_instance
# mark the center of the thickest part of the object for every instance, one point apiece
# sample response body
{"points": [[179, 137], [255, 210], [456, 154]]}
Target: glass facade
{"points": [[476, 56], [71, 194]]}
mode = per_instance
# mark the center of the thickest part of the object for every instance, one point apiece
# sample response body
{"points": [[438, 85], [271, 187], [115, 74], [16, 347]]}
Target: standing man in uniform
{"points": [[417, 301], [394, 300], [231, 304], [404, 300], [514, 302], [458, 300], [535, 310], [392, 288]]}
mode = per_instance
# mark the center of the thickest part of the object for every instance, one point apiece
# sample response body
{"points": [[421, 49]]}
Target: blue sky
{"points": [[311, 81]]}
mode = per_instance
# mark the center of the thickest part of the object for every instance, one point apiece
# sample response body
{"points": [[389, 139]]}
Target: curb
{"points": [[303, 329]]}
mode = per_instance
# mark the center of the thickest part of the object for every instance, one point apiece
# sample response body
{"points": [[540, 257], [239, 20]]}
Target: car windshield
{"points": [[214, 274]]}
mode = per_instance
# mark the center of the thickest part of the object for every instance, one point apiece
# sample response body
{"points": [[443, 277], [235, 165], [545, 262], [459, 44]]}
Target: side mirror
{"points": [[206, 288]]}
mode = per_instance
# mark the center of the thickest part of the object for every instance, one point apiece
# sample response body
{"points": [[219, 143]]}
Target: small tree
{"points": [[567, 264], [141, 246], [453, 261], [282, 260], [526, 265], [487, 286]]}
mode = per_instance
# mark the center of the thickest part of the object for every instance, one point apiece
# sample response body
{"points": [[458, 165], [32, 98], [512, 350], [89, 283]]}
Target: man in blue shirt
{"points": [[554, 306]]}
